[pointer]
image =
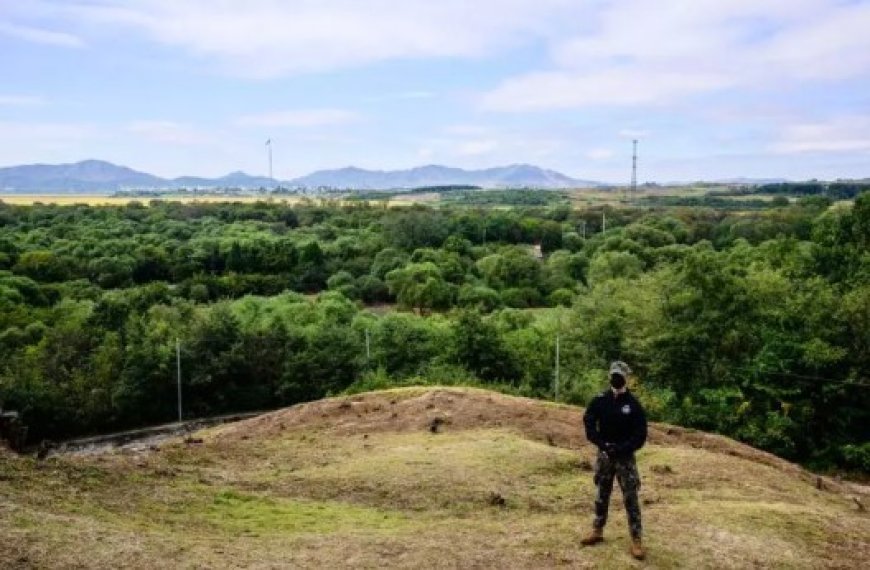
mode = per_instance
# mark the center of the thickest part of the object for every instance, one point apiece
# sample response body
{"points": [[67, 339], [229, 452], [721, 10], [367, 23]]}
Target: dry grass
{"points": [[103, 200], [415, 198], [579, 198], [588, 197], [363, 482]]}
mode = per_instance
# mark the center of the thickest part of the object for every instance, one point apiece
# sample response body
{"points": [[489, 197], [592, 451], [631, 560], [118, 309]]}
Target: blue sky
{"points": [[712, 89]]}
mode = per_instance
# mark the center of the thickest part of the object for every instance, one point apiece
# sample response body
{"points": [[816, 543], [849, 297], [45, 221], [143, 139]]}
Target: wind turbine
{"points": [[269, 149]]}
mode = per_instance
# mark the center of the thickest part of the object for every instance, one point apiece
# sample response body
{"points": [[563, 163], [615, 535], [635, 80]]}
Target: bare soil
{"points": [[457, 409]]}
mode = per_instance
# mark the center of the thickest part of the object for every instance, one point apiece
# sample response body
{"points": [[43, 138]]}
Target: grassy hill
{"points": [[419, 478]]}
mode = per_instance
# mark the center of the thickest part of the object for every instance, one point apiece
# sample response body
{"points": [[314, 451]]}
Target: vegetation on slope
{"points": [[364, 482], [752, 324]]}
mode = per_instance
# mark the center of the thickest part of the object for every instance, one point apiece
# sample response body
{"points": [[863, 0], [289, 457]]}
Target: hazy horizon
{"points": [[713, 90]]}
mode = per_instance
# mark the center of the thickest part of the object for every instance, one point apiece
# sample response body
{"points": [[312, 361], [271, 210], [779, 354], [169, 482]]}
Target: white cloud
{"points": [[634, 133], [833, 45], [414, 95], [477, 147], [47, 131], [641, 53], [842, 134], [707, 76], [566, 90], [168, 132], [463, 130], [402, 96], [48, 141], [599, 154], [21, 100], [299, 118], [270, 38], [41, 36], [425, 153]]}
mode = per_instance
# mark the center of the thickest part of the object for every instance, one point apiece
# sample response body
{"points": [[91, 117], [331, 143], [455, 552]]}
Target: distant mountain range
{"points": [[515, 175], [88, 175], [101, 176]]}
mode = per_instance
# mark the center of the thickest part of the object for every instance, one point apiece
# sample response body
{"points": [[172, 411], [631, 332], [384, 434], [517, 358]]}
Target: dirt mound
{"points": [[413, 409], [416, 478], [455, 409]]}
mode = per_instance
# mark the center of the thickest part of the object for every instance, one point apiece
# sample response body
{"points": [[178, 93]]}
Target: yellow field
{"points": [[417, 198], [579, 198], [102, 200]]}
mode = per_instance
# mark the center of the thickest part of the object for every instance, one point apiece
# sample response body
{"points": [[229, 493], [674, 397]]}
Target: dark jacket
{"points": [[616, 419]]}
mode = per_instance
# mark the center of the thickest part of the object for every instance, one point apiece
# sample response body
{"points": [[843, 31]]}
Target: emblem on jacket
{"points": [[626, 409]]}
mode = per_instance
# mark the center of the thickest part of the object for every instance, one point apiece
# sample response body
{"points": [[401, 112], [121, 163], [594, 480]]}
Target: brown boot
{"points": [[637, 549], [594, 537]]}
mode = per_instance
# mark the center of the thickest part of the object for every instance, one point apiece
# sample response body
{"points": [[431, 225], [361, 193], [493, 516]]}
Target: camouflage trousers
{"points": [[625, 471]]}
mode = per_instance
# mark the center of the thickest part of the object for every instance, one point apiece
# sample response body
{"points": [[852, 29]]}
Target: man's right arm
{"points": [[590, 421]]}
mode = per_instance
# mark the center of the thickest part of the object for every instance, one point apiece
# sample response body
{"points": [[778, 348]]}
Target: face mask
{"points": [[617, 381]]}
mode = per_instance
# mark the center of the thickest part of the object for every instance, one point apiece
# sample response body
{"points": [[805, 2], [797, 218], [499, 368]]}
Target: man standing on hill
{"points": [[616, 423]]}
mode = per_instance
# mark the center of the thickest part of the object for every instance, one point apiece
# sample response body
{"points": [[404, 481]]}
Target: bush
{"points": [[521, 298], [614, 264], [372, 380], [344, 283], [479, 297], [857, 456], [561, 297], [372, 290], [580, 389]]}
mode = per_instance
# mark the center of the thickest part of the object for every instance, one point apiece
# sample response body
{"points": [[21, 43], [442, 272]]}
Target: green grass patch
{"points": [[449, 472], [239, 512]]}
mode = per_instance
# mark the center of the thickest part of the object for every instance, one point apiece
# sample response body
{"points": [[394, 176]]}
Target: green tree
{"points": [[479, 297], [43, 266], [478, 347], [420, 286], [613, 265]]}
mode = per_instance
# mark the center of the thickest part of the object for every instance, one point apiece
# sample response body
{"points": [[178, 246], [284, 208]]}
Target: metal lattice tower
{"points": [[634, 169]]}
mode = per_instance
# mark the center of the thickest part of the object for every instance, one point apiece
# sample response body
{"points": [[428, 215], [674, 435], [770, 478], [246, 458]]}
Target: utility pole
{"points": [[178, 370], [556, 373], [368, 348], [603, 222], [584, 228]]}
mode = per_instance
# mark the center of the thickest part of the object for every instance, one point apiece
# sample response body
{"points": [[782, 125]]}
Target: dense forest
{"points": [[755, 324]]}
